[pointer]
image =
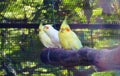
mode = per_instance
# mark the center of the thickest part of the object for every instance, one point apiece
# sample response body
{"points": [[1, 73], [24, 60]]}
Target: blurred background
{"points": [[20, 47]]}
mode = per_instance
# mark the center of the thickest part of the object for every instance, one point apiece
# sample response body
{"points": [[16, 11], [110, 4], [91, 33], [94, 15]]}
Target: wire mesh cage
{"points": [[96, 23]]}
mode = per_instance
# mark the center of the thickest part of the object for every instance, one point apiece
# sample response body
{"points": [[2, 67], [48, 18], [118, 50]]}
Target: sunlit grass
{"points": [[106, 73]]}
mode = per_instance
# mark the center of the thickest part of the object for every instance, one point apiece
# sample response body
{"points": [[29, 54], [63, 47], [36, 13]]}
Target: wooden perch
{"points": [[103, 59]]}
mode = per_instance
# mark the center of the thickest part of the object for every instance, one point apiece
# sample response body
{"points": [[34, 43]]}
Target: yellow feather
{"points": [[68, 39]]}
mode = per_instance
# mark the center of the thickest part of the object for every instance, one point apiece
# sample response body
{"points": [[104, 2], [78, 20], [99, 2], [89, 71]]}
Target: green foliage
{"points": [[37, 10], [23, 46], [72, 4], [97, 12], [107, 73], [106, 38], [25, 49]]}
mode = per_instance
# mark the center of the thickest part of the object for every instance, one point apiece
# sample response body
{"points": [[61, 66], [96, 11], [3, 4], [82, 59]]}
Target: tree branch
{"points": [[103, 59]]}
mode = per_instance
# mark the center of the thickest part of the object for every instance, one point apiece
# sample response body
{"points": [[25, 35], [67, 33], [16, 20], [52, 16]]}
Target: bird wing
{"points": [[46, 41], [75, 43], [53, 35]]}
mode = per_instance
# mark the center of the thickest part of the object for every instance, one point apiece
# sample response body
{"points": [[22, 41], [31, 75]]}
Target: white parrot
{"points": [[44, 38], [53, 34]]}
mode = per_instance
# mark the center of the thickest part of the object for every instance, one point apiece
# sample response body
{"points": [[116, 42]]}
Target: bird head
{"points": [[64, 26], [48, 27]]}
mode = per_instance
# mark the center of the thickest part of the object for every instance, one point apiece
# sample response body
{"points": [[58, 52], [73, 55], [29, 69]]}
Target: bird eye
{"points": [[67, 29], [47, 27]]}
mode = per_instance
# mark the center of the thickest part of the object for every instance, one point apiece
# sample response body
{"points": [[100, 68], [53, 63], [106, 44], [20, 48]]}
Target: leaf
{"points": [[97, 11]]}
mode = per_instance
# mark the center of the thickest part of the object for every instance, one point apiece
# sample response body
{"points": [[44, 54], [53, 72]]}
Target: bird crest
{"points": [[65, 26], [40, 27]]}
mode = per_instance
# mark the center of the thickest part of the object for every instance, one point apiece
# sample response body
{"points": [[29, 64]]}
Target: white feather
{"points": [[53, 34], [44, 38]]}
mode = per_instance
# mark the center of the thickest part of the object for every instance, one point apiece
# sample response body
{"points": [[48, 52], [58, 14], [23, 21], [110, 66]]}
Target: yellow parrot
{"points": [[53, 34], [68, 38], [44, 38]]}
